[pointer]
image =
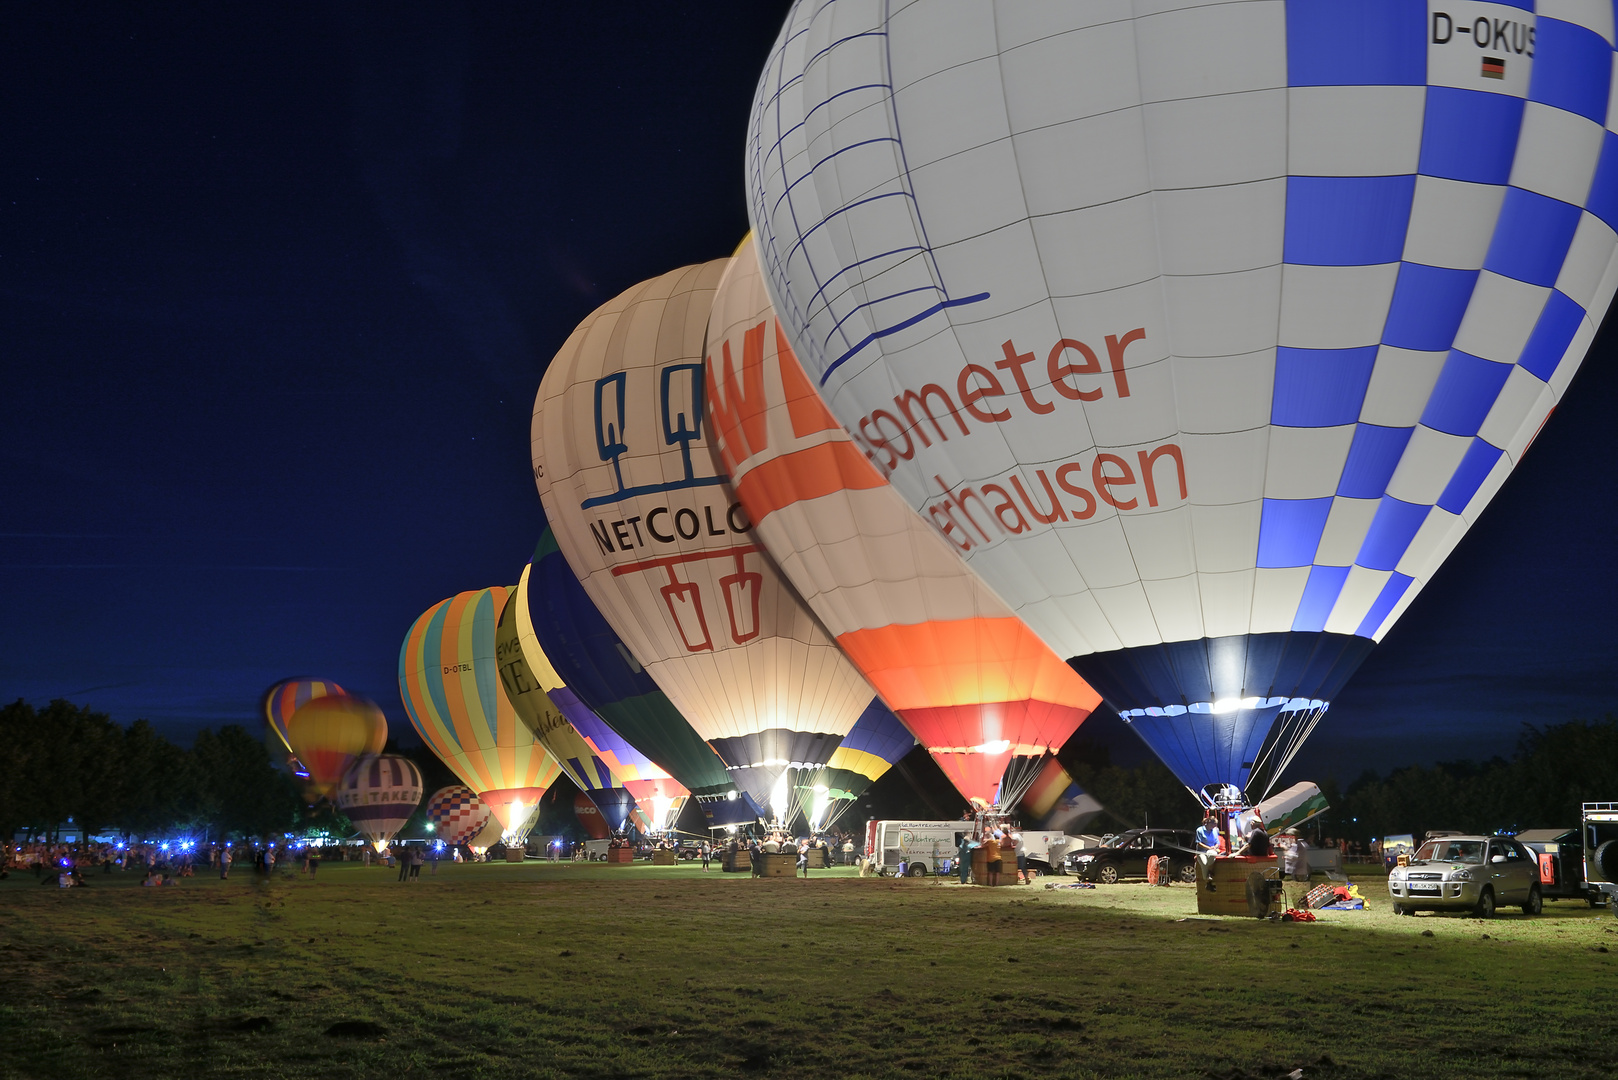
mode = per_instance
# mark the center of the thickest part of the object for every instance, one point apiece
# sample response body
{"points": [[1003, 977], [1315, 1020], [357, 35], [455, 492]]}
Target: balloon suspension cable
{"points": [[1283, 745], [1020, 774]]}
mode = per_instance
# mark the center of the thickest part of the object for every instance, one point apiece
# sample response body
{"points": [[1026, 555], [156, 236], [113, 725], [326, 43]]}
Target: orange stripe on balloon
{"points": [[805, 474], [976, 661]]}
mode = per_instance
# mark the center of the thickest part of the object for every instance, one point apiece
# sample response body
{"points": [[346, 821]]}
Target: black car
{"points": [[1125, 855]]}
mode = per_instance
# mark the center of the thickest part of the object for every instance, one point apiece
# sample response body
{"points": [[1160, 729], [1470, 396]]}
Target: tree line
{"points": [[68, 764]]}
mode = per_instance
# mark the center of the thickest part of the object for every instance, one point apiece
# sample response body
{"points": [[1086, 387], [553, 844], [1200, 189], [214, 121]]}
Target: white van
{"points": [[924, 846]]}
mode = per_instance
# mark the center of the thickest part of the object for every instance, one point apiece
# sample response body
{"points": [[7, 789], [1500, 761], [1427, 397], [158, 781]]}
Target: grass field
{"points": [[606, 971]]}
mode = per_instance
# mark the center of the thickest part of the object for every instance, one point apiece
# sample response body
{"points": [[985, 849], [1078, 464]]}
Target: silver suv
{"points": [[1467, 873]]}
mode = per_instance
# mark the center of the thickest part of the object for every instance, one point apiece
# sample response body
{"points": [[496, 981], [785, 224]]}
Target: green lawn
{"points": [[607, 971]]}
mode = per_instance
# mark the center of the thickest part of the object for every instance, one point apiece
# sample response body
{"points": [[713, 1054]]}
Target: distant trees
{"points": [[1552, 771], [68, 763]]}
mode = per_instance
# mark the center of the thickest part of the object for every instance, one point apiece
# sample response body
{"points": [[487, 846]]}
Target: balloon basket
{"points": [[663, 857], [1243, 885], [515, 854], [777, 864], [622, 855]]}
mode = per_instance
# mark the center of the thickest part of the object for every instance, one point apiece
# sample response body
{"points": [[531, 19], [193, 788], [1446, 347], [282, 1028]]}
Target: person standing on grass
{"points": [[803, 858], [1295, 867], [705, 855], [963, 856], [991, 862], [224, 863], [403, 859]]}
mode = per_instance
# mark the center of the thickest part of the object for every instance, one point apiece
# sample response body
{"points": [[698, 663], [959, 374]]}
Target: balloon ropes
{"points": [[378, 794], [974, 684], [328, 734], [526, 675], [449, 681], [282, 700], [457, 814], [876, 741], [664, 548], [1204, 336]]}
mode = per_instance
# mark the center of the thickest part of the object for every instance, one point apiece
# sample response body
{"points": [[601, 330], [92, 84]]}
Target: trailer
{"points": [[930, 847], [1599, 831]]}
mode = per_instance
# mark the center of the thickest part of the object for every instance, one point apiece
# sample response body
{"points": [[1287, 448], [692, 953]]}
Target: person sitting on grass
{"points": [[149, 879]]}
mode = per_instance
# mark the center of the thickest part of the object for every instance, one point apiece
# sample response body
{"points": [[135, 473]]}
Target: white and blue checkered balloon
{"points": [[1203, 330]]}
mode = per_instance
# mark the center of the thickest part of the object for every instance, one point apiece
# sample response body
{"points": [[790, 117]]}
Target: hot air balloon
{"points": [[602, 674], [378, 794], [1203, 335], [450, 684], [328, 734], [282, 700], [457, 814], [526, 676], [665, 550], [488, 837], [985, 696], [872, 746]]}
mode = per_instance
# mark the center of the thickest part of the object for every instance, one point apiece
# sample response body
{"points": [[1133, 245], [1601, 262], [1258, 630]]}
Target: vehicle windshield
{"points": [[1461, 851], [1120, 841]]}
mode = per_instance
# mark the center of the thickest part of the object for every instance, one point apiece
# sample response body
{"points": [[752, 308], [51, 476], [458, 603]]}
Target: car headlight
{"points": [[1460, 875], [1397, 874]]}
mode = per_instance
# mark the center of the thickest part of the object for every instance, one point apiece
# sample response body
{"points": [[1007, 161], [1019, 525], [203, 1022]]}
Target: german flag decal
{"points": [[1494, 67]]}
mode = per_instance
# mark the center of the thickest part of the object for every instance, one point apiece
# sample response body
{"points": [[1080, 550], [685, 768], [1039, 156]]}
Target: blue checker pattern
{"points": [[1553, 333], [1356, 43], [1464, 393], [1391, 531], [1372, 457], [1469, 476], [1320, 387], [1572, 66], [1319, 595], [1289, 530], [1347, 220], [1470, 136], [1428, 305], [1532, 237]]}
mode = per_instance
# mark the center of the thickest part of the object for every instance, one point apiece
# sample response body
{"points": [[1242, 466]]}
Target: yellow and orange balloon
{"points": [[328, 734]]}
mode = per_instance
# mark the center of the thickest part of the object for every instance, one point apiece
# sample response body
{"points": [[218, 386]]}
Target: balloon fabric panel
{"points": [[964, 673], [658, 539], [1199, 326]]}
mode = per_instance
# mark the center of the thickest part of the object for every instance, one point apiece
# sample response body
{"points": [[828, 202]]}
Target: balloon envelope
{"points": [[457, 814], [964, 673], [663, 547], [285, 698], [378, 794], [1203, 335], [329, 733], [450, 683]]}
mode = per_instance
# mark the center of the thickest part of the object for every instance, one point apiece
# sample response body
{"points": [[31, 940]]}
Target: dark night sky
{"points": [[277, 285]]}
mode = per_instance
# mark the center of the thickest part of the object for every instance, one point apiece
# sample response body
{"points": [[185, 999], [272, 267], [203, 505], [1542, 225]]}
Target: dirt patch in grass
{"points": [[595, 971]]}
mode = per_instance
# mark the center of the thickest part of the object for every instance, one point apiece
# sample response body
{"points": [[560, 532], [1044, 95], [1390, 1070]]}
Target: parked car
{"points": [[1467, 873], [1125, 855]]}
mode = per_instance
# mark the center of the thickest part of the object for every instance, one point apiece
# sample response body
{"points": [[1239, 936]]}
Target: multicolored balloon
{"points": [[665, 550], [526, 676], [328, 734], [1202, 335], [601, 672], [974, 684], [378, 794], [450, 683], [457, 814], [285, 698], [872, 746]]}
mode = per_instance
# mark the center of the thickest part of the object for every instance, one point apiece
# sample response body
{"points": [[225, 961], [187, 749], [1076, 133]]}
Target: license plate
{"points": [[1424, 890]]}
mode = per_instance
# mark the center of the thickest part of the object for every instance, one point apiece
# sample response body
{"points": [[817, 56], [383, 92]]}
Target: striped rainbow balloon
{"points": [[450, 683]]}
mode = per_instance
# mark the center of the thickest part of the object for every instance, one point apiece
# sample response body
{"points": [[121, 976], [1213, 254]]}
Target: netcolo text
{"points": [[667, 525]]}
